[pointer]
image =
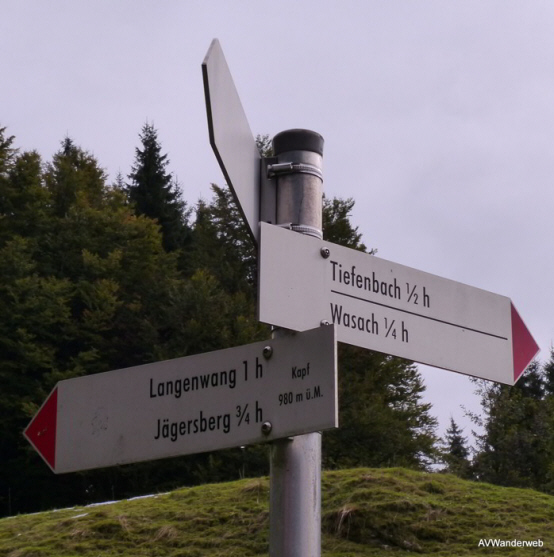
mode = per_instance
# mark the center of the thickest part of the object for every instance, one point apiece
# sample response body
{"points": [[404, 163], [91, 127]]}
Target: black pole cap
{"points": [[297, 140]]}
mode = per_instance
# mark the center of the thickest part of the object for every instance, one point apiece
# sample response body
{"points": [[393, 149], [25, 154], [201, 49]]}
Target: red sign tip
{"points": [[524, 346], [41, 432]]}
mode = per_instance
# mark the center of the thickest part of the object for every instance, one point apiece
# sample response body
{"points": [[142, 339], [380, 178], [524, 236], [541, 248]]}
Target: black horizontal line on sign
{"points": [[419, 315]]}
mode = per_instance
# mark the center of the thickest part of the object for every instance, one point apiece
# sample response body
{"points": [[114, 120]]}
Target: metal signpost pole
{"points": [[295, 485]]}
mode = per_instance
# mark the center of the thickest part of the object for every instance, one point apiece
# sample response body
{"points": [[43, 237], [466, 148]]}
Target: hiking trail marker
{"points": [[390, 308], [239, 396], [287, 386]]}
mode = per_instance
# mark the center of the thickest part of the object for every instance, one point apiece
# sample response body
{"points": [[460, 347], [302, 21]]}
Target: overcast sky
{"points": [[438, 117]]}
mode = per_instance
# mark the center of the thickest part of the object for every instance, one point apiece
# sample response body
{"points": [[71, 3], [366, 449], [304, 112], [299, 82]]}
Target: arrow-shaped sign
{"points": [[230, 136], [390, 308], [228, 398]]}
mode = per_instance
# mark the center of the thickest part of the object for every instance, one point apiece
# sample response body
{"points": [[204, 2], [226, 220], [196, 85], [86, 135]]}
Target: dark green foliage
{"points": [[86, 286], [456, 452], [381, 417], [222, 244], [337, 227], [7, 155], [90, 282], [23, 200], [154, 192], [532, 383], [74, 175], [517, 445]]}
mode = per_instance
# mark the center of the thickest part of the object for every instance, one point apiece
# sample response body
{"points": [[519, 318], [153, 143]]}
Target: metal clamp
{"points": [[282, 168], [303, 229], [307, 230]]}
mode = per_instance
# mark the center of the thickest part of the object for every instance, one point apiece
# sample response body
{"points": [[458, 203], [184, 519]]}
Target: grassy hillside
{"points": [[366, 512]]}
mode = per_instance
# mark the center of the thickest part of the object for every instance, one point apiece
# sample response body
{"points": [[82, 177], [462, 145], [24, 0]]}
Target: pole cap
{"points": [[297, 140]]}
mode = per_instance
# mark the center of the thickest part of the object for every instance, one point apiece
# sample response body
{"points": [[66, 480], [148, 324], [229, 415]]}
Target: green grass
{"points": [[366, 512]]}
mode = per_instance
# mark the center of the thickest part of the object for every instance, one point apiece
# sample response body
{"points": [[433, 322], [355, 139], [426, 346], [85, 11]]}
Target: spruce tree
{"points": [[7, 152], [456, 455], [154, 192], [516, 447], [74, 173], [222, 244], [85, 286], [7, 155]]}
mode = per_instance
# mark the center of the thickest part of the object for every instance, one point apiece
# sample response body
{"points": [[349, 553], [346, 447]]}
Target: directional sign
{"points": [[228, 398], [230, 136], [390, 308]]}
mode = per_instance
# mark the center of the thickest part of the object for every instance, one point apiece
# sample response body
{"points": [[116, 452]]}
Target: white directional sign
{"points": [[206, 402], [390, 308], [230, 136]]}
